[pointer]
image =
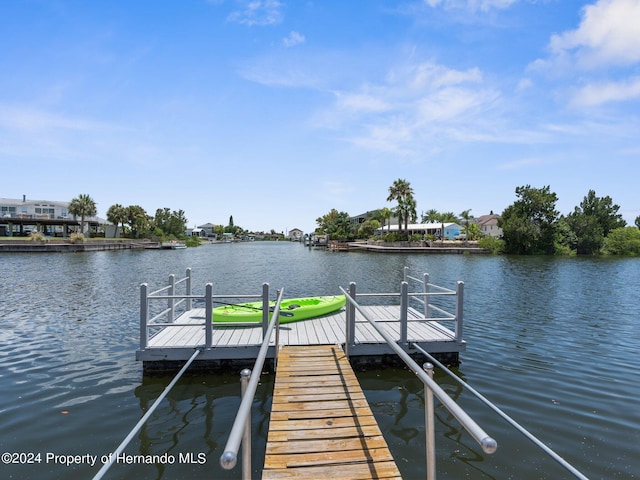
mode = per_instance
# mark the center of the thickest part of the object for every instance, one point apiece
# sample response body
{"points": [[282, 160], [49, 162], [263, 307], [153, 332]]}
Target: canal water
{"points": [[554, 342]]}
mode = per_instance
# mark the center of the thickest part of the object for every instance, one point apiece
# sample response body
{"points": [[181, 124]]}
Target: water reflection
{"points": [[552, 341]]}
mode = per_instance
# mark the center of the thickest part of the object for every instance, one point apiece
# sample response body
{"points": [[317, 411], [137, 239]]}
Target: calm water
{"points": [[552, 341]]}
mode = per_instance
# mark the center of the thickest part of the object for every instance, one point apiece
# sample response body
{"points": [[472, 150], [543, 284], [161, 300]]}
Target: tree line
{"points": [[134, 222], [531, 225]]}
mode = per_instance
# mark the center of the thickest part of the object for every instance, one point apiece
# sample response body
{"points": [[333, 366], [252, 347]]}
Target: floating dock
{"points": [[168, 339], [239, 345]]}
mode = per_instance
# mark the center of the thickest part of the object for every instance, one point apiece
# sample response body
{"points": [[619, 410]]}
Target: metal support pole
{"points": [[265, 308], [427, 307], [188, 289], [208, 315], [351, 320], [404, 305], [429, 419], [277, 345], [144, 316], [405, 274], [171, 301], [459, 310], [246, 438]]}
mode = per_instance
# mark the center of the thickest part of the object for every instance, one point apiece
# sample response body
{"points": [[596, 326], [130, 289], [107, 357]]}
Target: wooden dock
{"points": [[321, 425]]}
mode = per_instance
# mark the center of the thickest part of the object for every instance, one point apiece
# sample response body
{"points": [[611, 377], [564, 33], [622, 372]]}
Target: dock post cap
{"points": [[228, 460], [489, 445]]}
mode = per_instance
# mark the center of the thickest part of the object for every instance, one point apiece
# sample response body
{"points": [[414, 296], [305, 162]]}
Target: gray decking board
{"points": [[234, 342]]}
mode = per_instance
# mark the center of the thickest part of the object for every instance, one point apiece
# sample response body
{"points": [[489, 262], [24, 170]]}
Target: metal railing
{"points": [[506, 417], [405, 298], [178, 303], [113, 457], [488, 444], [241, 429]]}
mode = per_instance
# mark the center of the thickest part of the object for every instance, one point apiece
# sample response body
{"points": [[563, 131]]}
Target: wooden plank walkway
{"points": [[321, 425]]}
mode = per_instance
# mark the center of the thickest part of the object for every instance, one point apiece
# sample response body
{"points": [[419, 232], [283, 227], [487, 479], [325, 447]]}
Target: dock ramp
{"points": [[321, 424]]}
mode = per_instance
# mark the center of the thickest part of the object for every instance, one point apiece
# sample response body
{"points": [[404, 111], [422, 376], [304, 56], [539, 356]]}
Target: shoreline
{"points": [[416, 249], [62, 246]]}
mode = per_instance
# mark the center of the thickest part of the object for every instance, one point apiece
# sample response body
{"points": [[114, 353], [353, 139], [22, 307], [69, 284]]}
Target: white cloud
{"points": [[474, 5], [27, 119], [410, 107], [607, 35], [293, 39], [257, 12], [361, 102], [599, 93]]}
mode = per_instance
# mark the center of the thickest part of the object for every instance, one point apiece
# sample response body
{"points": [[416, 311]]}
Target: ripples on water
{"points": [[552, 341]]}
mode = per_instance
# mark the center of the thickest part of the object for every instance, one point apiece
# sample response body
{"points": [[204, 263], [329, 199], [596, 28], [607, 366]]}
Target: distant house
{"points": [[196, 232], [363, 217], [51, 217], [295, 234], [489, 225], [208, 229], [451, 230]]}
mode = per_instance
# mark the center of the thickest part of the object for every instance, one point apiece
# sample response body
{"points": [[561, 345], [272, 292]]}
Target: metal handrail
{"points": [[174, 300], [113, 457], [488, 444], [502, 414], [229, 458]]}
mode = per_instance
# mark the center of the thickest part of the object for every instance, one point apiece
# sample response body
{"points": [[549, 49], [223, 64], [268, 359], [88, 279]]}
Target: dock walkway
{"points": [[321, 424]]}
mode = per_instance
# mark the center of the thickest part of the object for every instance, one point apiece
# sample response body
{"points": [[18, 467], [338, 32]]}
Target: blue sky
{"points": [[277, 111]]}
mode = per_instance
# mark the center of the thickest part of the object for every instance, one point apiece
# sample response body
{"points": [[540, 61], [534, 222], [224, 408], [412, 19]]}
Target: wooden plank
{"points": [[355, 471], [321, 424], [312, 423]]}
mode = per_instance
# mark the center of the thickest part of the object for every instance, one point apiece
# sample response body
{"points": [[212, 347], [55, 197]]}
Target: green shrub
{"points": [[495, 245], [623, 241], [395, 237], [37, 237], [76, 237]]}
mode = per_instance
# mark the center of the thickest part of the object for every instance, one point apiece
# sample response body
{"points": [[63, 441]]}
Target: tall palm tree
{"points": [[386, 214], [83, 206], [465, 216], [402, 192], [117, 215], [430, 215]]}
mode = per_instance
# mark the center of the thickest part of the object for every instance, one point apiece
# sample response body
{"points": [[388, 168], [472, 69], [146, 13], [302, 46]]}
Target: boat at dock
{"points": [[291, 310], [173, 245]]}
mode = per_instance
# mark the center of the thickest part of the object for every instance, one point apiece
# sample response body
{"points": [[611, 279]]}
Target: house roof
{"points": [[491, 219]]}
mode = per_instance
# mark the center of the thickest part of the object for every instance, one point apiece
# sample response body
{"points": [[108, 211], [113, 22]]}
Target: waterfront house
{"points": [[295, 234], [489, 225], [20, 217], [448, 230]]}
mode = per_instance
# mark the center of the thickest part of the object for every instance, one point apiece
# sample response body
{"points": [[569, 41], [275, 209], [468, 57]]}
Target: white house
{"points": [[451, 230], [21, 216], [295, 234], [489, 225]]}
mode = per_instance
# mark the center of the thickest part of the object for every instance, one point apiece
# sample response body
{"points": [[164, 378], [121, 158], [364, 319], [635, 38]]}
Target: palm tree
{"points": [[386, 214], [83, 206], [117, 215], [465, 216], [431, 215], [402, 192]]}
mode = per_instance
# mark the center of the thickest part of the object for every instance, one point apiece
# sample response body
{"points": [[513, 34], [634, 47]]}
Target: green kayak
{"points": [[291, 310]]}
